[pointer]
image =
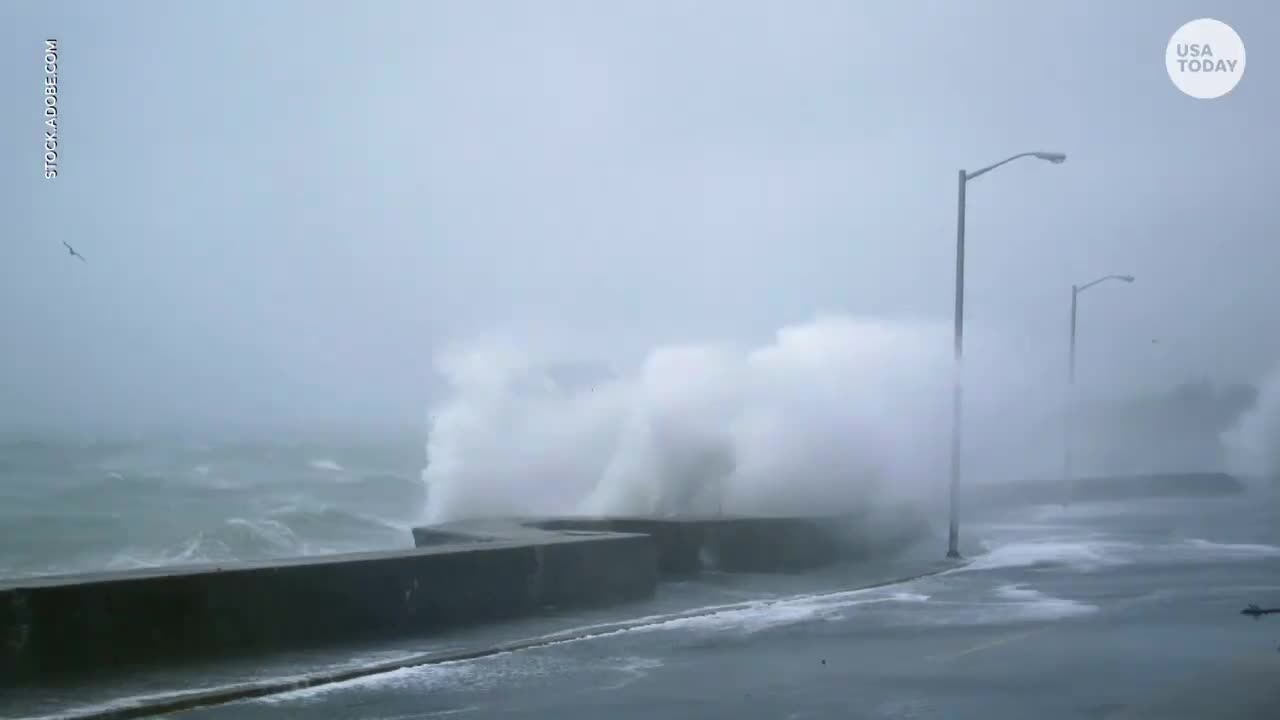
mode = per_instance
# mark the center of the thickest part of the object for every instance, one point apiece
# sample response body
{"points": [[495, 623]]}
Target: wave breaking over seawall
{"points": [[834, 415]]}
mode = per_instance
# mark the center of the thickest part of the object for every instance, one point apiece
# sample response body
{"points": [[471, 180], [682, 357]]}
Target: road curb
{"points": [[180, 702]]}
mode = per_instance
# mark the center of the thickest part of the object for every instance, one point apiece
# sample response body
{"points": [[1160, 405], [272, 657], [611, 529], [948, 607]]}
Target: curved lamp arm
{"points": [[1055, 158], [1122, 278]]}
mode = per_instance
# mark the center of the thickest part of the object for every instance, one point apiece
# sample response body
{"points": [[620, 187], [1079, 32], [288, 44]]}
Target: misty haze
{"points": [[312, 275]]}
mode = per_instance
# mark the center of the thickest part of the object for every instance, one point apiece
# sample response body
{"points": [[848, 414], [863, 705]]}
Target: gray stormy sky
{"points": [[287, 206]]}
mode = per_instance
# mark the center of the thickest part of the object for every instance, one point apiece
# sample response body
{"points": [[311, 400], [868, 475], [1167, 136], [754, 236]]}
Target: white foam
{"points": [[479, 674], [1019, 593], [632, 669], [1231, 549], [1011, 604], [754, 617], [326, 465], [423, 677], [137, 700], [1077, 554], [1089, 553], [747, 617], [1031, 604], [748, 620]]}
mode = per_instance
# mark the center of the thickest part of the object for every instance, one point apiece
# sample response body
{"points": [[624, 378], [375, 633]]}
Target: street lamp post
{"points": [[1067, 449], [953, 543]]}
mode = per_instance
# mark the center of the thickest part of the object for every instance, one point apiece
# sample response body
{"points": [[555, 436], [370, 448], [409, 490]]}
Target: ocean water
{"points": [[78, 507]]}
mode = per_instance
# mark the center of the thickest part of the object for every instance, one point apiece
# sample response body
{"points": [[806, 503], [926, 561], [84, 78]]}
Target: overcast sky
{"points": [[286, 207]]}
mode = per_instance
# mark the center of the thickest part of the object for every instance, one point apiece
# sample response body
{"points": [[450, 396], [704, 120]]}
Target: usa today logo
{"points": [[1205, 58]]}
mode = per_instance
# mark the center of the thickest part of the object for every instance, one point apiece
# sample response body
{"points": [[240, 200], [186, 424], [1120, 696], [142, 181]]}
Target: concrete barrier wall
{"points": [[54, 626], [752, 544], [679, 543], [1088, 489], [460, 573], [774, 544], [1154, 486]]}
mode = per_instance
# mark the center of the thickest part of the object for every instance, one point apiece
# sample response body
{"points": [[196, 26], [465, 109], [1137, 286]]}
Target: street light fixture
{"points": [[953, 544], [1071, 372]]}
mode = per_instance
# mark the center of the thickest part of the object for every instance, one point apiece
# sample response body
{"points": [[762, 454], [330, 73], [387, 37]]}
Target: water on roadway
{"points": [[1116, 610]]}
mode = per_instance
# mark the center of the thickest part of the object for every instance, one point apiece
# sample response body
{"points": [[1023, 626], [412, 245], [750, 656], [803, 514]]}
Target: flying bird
{"points": [[73, 252]]}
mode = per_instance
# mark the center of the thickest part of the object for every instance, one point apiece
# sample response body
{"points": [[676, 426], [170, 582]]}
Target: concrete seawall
{"points": [[1127, 487], [1106, 488], [462, 573], [58, 626], [687, 545]]}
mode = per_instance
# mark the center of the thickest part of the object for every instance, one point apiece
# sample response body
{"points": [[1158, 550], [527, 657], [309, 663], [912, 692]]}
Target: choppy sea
{"points": [[88, 506]]}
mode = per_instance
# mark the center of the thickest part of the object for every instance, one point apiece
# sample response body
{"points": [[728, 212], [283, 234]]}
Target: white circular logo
{"points": [[1205, 58]]}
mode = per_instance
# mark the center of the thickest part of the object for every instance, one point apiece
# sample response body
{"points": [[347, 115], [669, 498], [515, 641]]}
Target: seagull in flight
{"points": [[73, 252]]}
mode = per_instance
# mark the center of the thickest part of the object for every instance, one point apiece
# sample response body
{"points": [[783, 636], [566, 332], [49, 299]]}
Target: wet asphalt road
{"points": [[1116, 610]]}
